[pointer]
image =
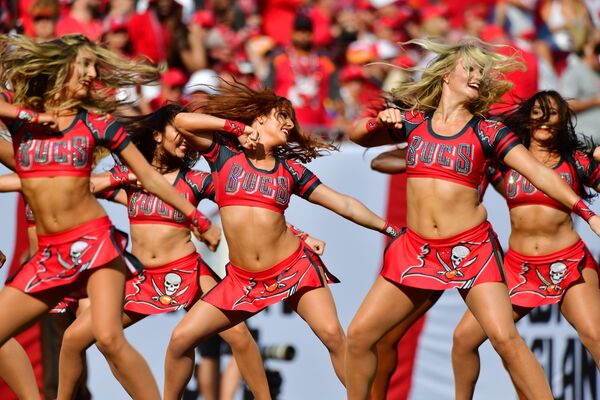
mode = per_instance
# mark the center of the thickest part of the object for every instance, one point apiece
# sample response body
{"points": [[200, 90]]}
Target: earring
{"points": [[445, 80]]}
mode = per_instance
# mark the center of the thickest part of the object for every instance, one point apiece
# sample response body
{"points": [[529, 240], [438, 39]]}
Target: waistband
{"points": [[69, 235], [567, 252], [269, 272], [185, 261], [474, 232]]}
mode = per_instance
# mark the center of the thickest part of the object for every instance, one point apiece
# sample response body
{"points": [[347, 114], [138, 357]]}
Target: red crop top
{"points": [[577, 170], [145, 208], [460, 158], [239, 182], [41, 152]]}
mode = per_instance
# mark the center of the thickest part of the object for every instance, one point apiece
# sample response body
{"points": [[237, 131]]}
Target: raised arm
{"points": [[198, 129], [351, 209], [372, 132], [155, 183], [11, 111], [549, 182]]}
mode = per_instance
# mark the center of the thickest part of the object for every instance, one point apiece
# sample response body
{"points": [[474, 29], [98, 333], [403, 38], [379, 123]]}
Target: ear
{"points": [[445, 79], [261, 120], [157, 136]]}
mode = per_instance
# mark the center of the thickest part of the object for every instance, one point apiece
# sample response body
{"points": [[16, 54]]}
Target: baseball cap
{"points": [[204, 80]]}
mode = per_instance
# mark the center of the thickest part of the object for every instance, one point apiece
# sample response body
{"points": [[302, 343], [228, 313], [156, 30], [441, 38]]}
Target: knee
{"points": [[179, 342], [110, 342], [463, 341], [332, 335], [590, 336], [238, 337], [74, 338], [360, 339], [506, 340]]}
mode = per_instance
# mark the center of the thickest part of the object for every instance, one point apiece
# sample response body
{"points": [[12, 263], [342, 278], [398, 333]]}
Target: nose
{"points": [[91, 71]]}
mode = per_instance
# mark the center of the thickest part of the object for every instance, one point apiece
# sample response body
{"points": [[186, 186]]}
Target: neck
{"points": [[537, 148], [159, 164], [451, 109], [260, 153]]}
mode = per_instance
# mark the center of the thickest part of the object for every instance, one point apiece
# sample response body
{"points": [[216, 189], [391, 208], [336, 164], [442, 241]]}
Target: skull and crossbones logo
{"points": [[558, 273], [457, 255], [171, 285], [76, 253]]}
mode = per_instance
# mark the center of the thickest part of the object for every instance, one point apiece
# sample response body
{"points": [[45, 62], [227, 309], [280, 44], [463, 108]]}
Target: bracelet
{"points": [[119, 175], [371, 125], [199, 220], [301, 234], [391, 230], [235, 127], [582, 209], [28, 116]]}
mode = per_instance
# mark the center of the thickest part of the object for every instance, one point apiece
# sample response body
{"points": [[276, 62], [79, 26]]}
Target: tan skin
{"points": [[56, 212], [156, 245], [257, 246], [535, 230], [387, 305]]}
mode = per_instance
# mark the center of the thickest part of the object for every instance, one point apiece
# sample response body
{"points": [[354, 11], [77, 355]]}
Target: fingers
{"points": [[391, 117]]}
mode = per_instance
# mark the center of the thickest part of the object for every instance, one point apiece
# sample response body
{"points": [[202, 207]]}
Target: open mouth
{"points": [[474, 85]]}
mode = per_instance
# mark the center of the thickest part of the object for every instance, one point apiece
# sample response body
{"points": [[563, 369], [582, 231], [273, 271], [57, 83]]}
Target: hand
{"points": [[390, 118], [597, 154], [2, 259], [317, 245], [249, 138], [48, 119], [211, 238], [594, 223]]}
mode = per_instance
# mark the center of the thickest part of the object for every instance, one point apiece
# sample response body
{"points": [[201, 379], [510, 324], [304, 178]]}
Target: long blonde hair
{"points": [[37, 73], [424, 94]]}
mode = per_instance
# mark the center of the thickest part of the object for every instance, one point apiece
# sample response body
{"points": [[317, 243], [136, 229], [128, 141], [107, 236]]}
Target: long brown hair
{"points": [[37, 73], [237, 101]]}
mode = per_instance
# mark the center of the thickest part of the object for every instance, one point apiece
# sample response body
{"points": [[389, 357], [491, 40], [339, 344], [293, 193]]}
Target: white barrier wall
{"points": [[353, 254]]}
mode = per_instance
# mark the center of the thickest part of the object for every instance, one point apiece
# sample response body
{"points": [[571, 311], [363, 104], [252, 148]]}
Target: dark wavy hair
{"points": [[141, 130], [237, 101], [564, 141]]}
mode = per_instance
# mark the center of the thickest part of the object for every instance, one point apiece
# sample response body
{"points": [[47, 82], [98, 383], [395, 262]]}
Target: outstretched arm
{"points": [[351, 209], [155, 183], [390, 162], [7, 156], [549, 182], [372, 132]]}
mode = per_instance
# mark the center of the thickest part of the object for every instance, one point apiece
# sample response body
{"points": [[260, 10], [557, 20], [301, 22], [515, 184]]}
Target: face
{"points": [[302, 40], [275, 129], [44, 27], [170, 142], [547, 124], [116, 40], [464, 81], [83, 74]]}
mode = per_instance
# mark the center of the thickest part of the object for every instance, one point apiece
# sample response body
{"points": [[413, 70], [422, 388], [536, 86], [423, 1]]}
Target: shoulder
{"points": [[100, 121], [414, 116]]}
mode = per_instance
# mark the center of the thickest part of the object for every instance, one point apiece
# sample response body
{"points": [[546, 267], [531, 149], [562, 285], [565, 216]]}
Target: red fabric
{"points": [[278, 18], [29, 339], [148, 293], [243, 290], [461, 261], [529, 278], [67, 24], [63, 258], [322, 27], [148, 36]]}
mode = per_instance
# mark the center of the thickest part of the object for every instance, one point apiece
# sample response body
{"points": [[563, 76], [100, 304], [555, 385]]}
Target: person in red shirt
{"points": [[302, 75], [256, 169], [44, 14], [448, 242], [84, 18], [172, 83]]}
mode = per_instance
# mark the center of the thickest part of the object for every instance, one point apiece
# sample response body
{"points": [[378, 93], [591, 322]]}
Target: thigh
{"points": [[315, 306], [207, 282], [106, 291], [19, 310], [581, 303], [490, 305], [388, 304]]}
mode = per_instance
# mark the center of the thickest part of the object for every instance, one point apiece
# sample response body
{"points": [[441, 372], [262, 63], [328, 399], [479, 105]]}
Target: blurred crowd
{"points": [[331, 58]]}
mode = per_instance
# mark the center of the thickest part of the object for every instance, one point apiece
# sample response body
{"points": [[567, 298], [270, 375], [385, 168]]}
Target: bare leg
{"points": [[18, 311], [317, 308], [230, 381], [385, 306], [17, 372], [468, 336], [491, 306], [202, 321], [106, 292], [208, 378], [245, 350], [76, 340], [581, 307], [387, 350], [247, 355]]}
